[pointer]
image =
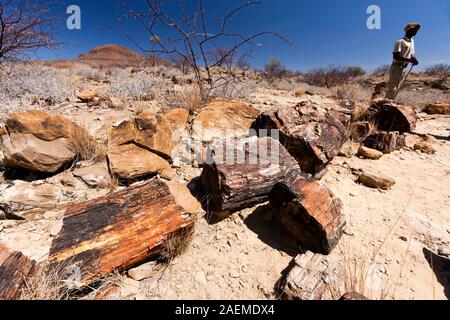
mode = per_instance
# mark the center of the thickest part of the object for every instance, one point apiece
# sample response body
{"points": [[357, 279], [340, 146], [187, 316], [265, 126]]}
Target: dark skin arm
{"points": [[398, 57]]}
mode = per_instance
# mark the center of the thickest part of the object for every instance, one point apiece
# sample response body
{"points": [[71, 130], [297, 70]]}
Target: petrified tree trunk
{"points": [[311, 278], [309, 212], [117, 231], [385, 142], [312, 135], [246, 179], [15, 269], [389, 116]]}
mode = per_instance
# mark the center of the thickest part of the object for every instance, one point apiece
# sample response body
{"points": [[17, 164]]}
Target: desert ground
{"points": [[395, 244]]}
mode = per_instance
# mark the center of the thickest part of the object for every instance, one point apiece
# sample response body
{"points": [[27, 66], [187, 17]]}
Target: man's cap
{"points": [[412, 26]]}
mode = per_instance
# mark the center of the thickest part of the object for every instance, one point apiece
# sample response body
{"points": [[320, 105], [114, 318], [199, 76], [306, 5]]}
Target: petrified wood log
{"points": [[15, 269], [117, 231], [250, 173], [309, 212], [311, 278], [389, 116], [385, 142], [312, 135]]}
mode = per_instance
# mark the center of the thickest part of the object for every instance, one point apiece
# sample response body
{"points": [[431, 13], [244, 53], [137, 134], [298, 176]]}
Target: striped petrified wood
{"points": [[15, 269], [309, 212], [117, 231]]}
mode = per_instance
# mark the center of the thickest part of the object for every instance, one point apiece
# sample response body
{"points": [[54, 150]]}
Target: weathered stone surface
{"points": [[389, 116], [376, 182], [117, 231], [38, 141], [129, 161], [437, 108], [18, 197], [385, 142], [311, 277], [424, 147], [369, 153], [93, 174], [312, 135], [177, 117], [309, 212], [148, 130], [247, 179], [221, 119], [184, 198], [346, 150], [15, 269]]}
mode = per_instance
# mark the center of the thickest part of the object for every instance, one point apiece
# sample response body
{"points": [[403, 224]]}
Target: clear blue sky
{"points": [[322, 32]]}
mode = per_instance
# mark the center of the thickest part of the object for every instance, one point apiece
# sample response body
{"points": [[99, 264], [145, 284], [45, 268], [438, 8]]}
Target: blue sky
{"points": [[322, 32]]}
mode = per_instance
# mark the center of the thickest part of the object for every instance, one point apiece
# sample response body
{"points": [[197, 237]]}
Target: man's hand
{"points": [[414, 61]]}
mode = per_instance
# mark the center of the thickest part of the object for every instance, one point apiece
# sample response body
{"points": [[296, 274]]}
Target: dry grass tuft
{"points": [[177, 243], [87, 147], [46, 284], [188, 97]]}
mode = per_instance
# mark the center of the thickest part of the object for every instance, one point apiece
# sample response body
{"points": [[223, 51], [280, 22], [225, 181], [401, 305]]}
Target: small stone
{"points": [[200, 278], [142, 272], [348, 233], [424, 147], [444, 250], [129, 287], [369, 153], [403, 238], [235, 274], [376, 182]]}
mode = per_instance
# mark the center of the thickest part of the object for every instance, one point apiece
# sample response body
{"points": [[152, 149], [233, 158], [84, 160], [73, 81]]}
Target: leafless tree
{"points": [[199, 39], [25, 26]]}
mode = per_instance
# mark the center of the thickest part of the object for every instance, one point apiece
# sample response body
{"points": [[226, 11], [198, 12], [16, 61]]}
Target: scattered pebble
{"points": [[403, 238], [235, 274], [200, 278]]}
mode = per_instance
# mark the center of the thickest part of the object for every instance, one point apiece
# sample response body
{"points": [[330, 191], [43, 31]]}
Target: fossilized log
{"points": [[311, 278], [309, 212], [389, 116], [312, 135], [247, 177], [15, 269], [385, 142], [117, 231]]}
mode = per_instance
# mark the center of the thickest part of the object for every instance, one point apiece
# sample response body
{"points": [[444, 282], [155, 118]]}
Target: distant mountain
{"points": [[111, 55]]}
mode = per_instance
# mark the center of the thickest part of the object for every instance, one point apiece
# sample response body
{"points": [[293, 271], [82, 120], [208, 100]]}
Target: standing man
{"points": [[404, 54]]}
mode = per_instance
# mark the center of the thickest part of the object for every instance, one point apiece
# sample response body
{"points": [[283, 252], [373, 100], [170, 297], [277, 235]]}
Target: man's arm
{"points": [[398, 57]]}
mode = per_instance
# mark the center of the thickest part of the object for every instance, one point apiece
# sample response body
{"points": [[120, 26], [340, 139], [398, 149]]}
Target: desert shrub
{"points": [[187, 97], [177, 243], [234, 90], [381, 70], [88, 73], [274, 69], [332, 76], [442, 71], [28, 82], [355, 71], [136, 86], [352, 92]]}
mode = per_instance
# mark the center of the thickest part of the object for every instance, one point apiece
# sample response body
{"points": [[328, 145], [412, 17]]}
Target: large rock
{"points": [[38, 141], [117, 232], [386, 142], [437, 108], [309, 212], [129, 161], [389, 116], [148, 130], [242, 177], [311, 134], [222, 119]]}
